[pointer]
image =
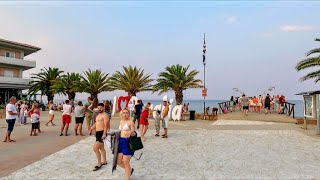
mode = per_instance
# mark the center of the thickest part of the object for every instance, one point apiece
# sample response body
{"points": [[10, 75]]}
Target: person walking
{"points": [[137, 112], [66, 118], [144, 123], [107, 109], [157, 122], [267, 104], [255, 103], [93, 109], [260, 102], [35, 118], [88, 112], [79, 112], [281, 102], [101, 126], [245, 104], [33, 108], [127, 129], [11, 116], [131, 108], [232, 104], [23, 113], [51, 113]]}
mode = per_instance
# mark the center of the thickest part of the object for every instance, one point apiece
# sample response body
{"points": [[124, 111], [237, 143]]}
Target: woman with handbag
{"points": [[144, 123], [124, 155]]}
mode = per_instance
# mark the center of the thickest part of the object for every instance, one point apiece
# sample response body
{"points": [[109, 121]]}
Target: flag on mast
{"points": [[204, 50]]}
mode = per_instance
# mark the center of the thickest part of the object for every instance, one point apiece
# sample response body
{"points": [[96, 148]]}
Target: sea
{"points": [[197, 105]]}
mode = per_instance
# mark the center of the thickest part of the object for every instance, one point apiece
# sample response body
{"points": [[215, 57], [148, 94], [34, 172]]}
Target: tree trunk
{"points": [[71, 96], [50, 96], [130, 94], [179, 96], [94, 96]]}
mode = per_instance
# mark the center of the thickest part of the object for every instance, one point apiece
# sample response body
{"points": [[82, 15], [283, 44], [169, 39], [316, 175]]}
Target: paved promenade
{"points": [[194, 150]]}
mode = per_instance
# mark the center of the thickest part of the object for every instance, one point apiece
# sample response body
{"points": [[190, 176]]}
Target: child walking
{"points": [[35, 122], [157, 122]]}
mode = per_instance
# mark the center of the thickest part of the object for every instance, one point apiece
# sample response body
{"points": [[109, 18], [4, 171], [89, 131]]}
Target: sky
{"points": [[250, 45]]}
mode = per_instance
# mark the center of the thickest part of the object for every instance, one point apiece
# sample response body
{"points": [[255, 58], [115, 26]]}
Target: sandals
{"points": [[164, 136], [96, 168], [157, 135]]}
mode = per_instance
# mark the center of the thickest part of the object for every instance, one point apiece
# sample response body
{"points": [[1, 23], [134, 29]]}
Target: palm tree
{"points": [[309, 63], [65, 85], [43, 82], [92, 82], [177, 79], [131, 80]]}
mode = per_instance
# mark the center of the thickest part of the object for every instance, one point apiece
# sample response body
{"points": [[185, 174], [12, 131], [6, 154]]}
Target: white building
{"points": [[12, 65]]}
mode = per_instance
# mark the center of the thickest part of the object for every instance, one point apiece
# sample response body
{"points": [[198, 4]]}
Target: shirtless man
{"points": [[102, 126], [165, 119]]}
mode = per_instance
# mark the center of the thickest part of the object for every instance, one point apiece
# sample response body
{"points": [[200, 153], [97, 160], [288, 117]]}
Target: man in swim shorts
{"points": [[102, 126], [165, 119]]}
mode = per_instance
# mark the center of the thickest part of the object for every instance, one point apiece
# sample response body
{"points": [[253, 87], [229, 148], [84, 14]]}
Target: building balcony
{"points": [[21, 63], [14, 83]]}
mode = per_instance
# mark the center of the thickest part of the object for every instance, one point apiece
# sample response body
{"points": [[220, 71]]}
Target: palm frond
{"points": [[311, 75], [131, 79], [308, 63]]}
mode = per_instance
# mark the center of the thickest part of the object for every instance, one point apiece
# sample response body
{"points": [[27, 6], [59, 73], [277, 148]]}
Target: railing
{"points": [[289, 109], [222, 105]]}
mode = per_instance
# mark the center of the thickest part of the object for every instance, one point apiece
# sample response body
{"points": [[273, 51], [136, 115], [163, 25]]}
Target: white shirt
{"points": [[66, 109], [35, 118], [78, 111], [12, 108], [131, 107]]}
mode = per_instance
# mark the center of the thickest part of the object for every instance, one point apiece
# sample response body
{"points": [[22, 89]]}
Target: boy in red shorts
{"points": [[144, 120]]}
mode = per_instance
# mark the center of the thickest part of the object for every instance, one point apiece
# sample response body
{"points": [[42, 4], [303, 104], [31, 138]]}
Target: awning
{"points": [[309, 93]]}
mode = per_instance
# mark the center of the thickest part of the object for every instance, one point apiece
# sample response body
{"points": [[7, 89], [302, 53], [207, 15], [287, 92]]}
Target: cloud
{"points": [[290, 28], [266, 35], [232, 19]]}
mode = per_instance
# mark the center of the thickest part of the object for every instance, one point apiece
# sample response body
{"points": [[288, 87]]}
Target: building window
{"points": [[8, 73], [10, 54]]}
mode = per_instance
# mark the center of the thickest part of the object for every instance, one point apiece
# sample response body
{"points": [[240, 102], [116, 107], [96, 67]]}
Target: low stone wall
{"points": [[207, 117], [309, 121]]}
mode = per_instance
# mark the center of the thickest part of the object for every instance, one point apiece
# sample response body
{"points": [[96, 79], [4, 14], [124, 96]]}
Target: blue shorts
{"points": [[11, 123], [123, 147]]}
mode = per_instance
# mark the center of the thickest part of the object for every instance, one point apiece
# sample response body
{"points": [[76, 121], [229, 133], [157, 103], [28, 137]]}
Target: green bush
{"points": [[2, 107]]}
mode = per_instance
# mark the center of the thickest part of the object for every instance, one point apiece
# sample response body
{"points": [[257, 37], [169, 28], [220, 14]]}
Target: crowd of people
{"points": [[97, 117], [251, 104], [258, 103]]}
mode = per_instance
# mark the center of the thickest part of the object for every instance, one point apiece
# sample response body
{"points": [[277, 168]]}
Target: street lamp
{"points": [[271, 88]]}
